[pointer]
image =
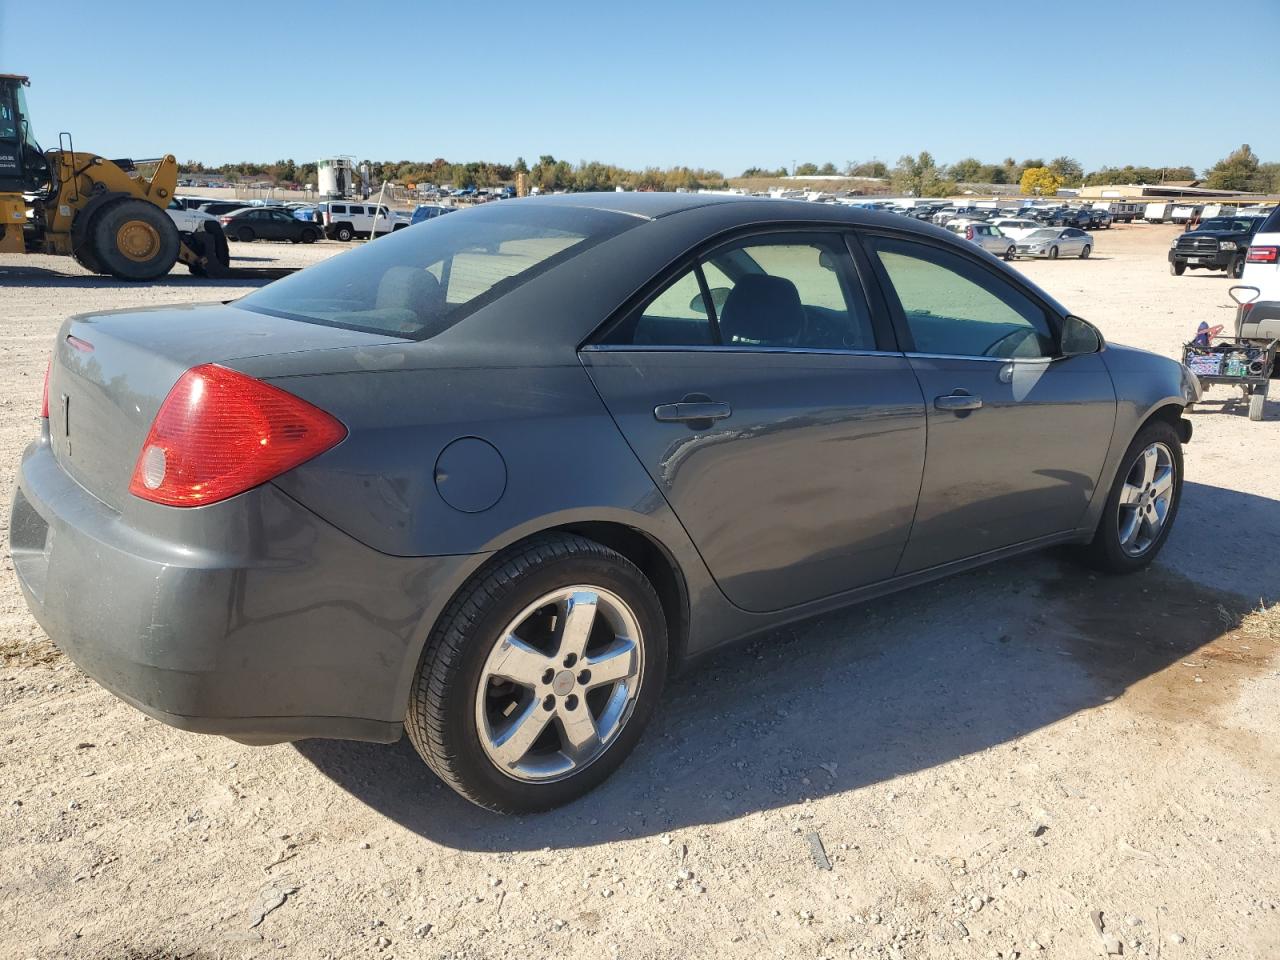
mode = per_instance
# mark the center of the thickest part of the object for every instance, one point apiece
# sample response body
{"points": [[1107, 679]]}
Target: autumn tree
{"points": [[1041, 181]]}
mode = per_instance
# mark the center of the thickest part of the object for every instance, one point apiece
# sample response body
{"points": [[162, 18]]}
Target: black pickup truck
{"points": [[1219, 243]]}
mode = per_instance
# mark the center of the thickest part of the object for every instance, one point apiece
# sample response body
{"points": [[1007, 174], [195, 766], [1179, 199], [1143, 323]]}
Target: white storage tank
{"points": [[333, 177]]}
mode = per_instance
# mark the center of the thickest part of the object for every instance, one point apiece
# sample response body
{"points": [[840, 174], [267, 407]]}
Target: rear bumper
{"points": [[285, 629]]}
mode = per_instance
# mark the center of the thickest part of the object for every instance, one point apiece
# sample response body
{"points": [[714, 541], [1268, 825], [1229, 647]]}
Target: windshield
{"points": [[417, 283], [1042, 234]]}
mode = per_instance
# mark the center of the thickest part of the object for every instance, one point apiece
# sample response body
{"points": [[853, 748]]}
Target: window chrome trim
{"points": [[731, 348], [961, 356]]}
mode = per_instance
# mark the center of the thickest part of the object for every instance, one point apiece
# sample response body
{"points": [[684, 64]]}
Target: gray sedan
{"points": [[490, 480], [1054, 242]]}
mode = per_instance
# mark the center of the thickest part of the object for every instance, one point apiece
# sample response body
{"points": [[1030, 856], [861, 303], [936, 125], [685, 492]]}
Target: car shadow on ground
{"points": [[883, 689], [44, 277]]}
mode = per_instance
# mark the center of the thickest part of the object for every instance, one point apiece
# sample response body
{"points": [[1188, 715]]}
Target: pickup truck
{"points": [[1219, 243]]}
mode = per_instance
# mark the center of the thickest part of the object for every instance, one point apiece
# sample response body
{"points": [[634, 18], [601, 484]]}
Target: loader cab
{"points": [[22, 163]]}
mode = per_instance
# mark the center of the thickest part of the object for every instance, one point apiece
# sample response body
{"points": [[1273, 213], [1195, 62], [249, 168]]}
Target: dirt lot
{"points": [[986, 762]]}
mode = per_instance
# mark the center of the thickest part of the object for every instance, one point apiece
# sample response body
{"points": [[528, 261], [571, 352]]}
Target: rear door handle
{"points": [[686, 411], [957, 402]]}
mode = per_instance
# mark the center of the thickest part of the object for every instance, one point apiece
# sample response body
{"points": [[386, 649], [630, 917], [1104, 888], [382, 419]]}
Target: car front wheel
{"points": [[540, 676], [1084, 254], [1143, 502]]}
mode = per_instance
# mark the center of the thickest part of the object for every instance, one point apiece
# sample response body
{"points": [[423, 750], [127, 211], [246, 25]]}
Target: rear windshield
{"points": [[417, 283]]}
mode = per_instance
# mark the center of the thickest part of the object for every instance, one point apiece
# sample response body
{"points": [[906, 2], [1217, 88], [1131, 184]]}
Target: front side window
{"points": [[955, 307], [789, 291]]}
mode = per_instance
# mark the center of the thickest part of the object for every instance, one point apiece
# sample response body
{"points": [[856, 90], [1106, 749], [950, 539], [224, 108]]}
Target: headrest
{"points": [[762, 310]]}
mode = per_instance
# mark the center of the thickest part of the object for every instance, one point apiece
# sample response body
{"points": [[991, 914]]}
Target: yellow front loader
{"points": [[108, 214]]}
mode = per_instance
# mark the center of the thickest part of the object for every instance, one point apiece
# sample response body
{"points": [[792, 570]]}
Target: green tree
{"points": [[967, 170], [828, 169], [1235, 171], [1068, 170], [807, 170], [1041, 181], [919, 176]]}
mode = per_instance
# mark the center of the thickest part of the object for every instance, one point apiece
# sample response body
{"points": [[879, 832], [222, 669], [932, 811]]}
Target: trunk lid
{"points": [[111, 372]]}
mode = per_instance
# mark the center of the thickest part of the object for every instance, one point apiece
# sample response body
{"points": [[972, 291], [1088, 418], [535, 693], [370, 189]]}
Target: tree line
{"points": [[547, 174], [920, 175]]}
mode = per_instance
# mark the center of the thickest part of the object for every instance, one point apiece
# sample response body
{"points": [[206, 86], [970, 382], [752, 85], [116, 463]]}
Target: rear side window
{"points": [[418, 283], [954, 307], [337, 208]]}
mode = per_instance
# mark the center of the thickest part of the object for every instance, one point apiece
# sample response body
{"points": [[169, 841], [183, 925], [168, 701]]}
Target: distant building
{"points": [[1179, 188]]}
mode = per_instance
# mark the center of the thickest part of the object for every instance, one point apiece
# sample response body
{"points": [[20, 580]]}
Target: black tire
{"points": [[245, 234], [1009, 253], [1236, 269], [1084, 254], [441, 720], [1105, 551], [1053, 253], [1177, 268], [310, 236], [83, 255], [344, 233], [158, 234]]}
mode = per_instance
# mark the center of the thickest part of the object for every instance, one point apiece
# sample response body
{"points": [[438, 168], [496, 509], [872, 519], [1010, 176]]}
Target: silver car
{"points": [[1054, 242], [985, 235]]}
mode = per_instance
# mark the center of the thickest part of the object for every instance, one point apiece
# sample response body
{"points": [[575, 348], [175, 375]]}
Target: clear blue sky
{"points": [[724, 85]]}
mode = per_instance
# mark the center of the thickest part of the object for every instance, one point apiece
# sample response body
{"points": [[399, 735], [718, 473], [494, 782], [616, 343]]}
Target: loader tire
{"points": [[134, 240]]}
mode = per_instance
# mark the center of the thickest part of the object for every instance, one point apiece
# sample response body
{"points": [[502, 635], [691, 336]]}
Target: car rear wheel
{"points": [[344, 234], [540, 676], [1143, 502], [244, 235], [1258, 402], [309, 236], [1009, 252], [1084, 254], [1177, 269]]}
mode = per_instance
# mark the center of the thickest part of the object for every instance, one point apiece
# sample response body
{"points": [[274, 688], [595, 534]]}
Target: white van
{"points": [[345, 219]]}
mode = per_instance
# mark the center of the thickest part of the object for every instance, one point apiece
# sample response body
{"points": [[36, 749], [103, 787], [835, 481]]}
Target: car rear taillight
{"points": [[224, 220], [44, 395], [220, 433], [1263, 255]]}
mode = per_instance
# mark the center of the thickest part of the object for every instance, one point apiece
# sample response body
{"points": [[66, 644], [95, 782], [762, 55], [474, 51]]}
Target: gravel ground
{"points": [[973, 770]]}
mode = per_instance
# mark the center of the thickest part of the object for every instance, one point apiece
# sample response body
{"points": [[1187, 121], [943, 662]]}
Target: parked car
{"points": [[985, 235], [1069, 217], [1016, 227], [1219, 243], [1098, 219], [345, 220], [188, 219], [267, 223], [327, 509], [1053, 242], [1261, 318], [429, 211], [191, 203], [217, 208]]}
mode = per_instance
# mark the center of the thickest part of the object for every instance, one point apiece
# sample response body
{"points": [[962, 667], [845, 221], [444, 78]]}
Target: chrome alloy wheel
{"points": [[559, 684], [1145, 499]]}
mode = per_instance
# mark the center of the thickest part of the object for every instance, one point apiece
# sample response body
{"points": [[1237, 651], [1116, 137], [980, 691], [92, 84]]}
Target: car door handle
{"points": [[687, 410], [957, 402]]}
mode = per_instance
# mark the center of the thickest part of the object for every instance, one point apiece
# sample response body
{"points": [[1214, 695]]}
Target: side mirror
{"points": [[1079, 337]]}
